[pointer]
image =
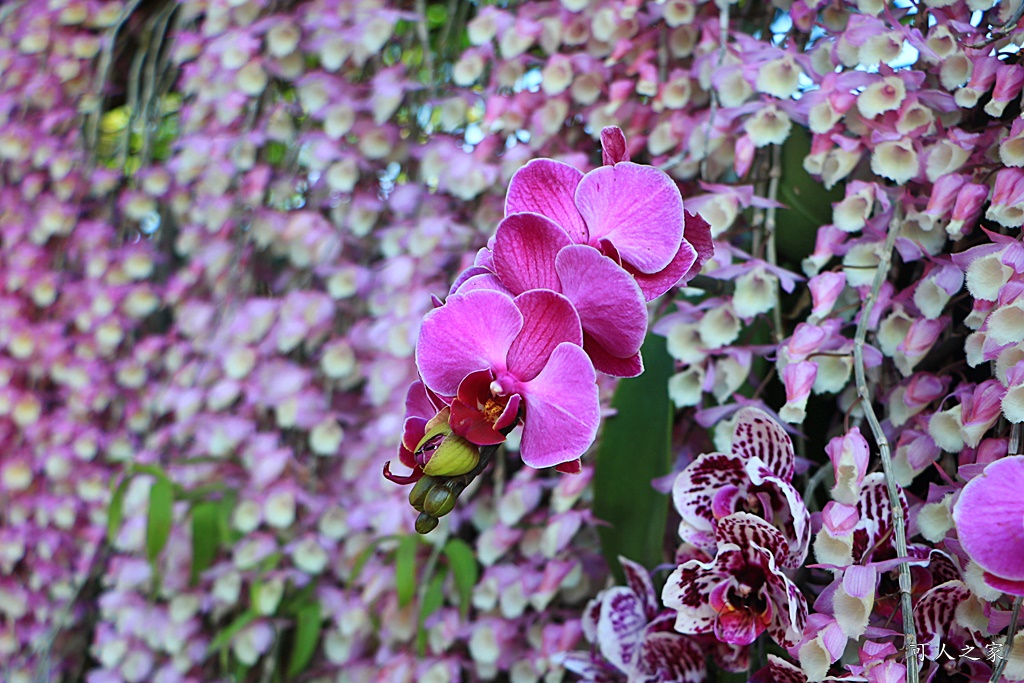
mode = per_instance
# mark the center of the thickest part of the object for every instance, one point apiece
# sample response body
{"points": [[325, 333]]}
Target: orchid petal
{"points": [[525, 247], [609, 364], [757, 435], [671, 657], [472, 331], [609, 302], [697, 232], [654, 285], [548, 320], [693, 493], [620, 626], [639, 581], [563, 409], [613, 146], [989, 517], [636, 208], [548, 187]]}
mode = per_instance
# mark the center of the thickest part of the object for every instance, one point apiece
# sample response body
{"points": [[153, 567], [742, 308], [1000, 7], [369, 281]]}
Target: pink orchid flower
{"points": [[629, 212], [989, 518], [499, 359]]}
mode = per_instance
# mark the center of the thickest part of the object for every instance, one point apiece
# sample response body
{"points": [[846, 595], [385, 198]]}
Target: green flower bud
{"points": [[444, 454], [419, 492], [440, 500], [425, 523]]}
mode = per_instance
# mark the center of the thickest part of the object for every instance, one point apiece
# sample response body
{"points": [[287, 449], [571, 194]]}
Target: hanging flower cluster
{"points": [[559, 292]]}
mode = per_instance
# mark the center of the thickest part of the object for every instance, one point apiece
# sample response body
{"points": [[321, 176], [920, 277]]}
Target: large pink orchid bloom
{"points": [[498, 359]]}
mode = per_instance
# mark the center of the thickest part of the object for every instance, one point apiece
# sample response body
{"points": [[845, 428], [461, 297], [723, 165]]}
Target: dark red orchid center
{"points": [[483, 412]]}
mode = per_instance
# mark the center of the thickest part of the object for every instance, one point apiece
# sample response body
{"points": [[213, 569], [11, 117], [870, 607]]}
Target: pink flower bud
{"points": [[967, 209], [839, 518], [944, 195], [1007, 205], [923, 389], [980, 410], [849, 454], [745, 149], [806, 340], [825, 289], [798, 378], [1009, 81], [990, 450]]}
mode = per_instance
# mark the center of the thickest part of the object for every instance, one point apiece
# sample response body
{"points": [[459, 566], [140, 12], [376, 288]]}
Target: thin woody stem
{"points": [[997, 672], [769, 234], [898, 522]]}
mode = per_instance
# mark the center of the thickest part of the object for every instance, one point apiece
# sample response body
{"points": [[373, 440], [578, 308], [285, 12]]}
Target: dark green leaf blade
{"points": [[462, 562], [115, 513], [809, 204], [307, 637], [160, 517], [405, 569], [205, 536], [634, 449]]}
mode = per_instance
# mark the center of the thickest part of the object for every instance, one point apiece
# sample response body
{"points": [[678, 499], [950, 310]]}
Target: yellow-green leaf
{"points": [[307, 637], [462, 562]]}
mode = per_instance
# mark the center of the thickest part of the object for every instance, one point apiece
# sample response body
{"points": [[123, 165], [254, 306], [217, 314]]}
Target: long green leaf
{"points": [[405, 569], [433, 598], [462, 562], [222, 639], [160, 517], [307, 637], [634, 449], [205, 536], [115, 514], [809, 204]]}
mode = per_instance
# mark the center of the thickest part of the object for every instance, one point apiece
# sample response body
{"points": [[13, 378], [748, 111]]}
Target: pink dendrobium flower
{"points": [[630, 213], [533, 252], [754, 478], [742, 592], [989, 518], [530, 348]]}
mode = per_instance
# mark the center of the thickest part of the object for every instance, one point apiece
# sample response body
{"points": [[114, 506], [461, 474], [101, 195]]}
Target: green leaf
{"points": [[365, 554], [161, 513], [405, 569], [433, 598], [205, 536], [222, 639], [809, 203], [634, 449], [115, 514], [307, 637], [462, 562]]}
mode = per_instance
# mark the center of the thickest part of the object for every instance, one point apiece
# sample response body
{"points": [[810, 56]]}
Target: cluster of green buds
{"points": [[449, 463]]}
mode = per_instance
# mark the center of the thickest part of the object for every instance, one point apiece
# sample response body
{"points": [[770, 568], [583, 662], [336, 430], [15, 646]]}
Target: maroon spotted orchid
{"points": [[755, 477], [742, 592]]}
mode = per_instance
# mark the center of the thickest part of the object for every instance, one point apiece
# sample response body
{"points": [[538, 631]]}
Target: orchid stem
{"points": [[769, 234], [898, 523], [997, 672]]}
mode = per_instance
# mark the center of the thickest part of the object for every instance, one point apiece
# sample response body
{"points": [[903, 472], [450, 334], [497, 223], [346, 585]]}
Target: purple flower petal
{"points": [[655, 284], [609, 364], [525, 247], [639, 581], [620, 626], [484, 280], [693, 493], [548, 320], [548, 187], [697, 232], [562, 409], [472, 331], [687, 590], [935, 613], [671, 657], [613, 146], [609, 302], [746, 530], [636, 208], [989, 517], [757, 435]]}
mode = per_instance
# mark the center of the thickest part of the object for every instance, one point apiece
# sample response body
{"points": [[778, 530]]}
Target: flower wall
{"points": [[223, 222]]}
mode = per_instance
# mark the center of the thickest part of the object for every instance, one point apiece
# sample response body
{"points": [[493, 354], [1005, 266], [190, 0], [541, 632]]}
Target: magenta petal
{"points": [[620, 626], [698, 233], [472, 331], [525, 247], [610, 304], [613, 146], [571, 467], [989, 518], [562, 409], [636, 208], [757, 435], [548, 187], [468, 273], [548, 320], [418, 403], [654, 285], [485, 280], [609, 364]]}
